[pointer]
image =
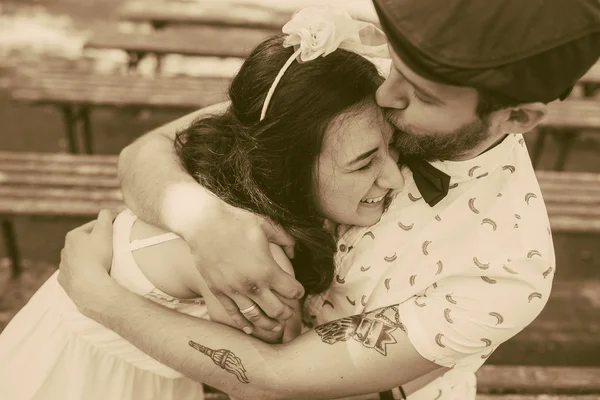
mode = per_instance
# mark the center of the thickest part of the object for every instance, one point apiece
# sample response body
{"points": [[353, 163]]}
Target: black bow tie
{"points": [[431, 182]]}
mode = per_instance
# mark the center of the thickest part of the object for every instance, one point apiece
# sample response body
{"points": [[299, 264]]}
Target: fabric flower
{"points": [[319, 31]]}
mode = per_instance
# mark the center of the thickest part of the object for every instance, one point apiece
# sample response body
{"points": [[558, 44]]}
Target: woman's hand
{"points": [[85, 262]]}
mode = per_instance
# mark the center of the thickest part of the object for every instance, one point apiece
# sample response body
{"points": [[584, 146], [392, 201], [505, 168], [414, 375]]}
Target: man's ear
{"points": [[524, 117]]}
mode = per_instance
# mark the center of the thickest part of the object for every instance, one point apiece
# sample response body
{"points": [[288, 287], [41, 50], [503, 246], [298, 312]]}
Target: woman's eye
{"points": [[366, 166]]}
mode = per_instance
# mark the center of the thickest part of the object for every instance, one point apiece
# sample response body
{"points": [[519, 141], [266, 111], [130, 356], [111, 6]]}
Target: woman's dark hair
{"points": [[268, 167]]}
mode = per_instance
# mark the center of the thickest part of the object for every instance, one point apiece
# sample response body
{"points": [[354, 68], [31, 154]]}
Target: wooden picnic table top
{"points": [[202, 41], [206, 13]]}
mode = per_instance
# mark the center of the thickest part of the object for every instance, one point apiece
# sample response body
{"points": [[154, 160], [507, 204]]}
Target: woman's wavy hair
{"points": [[269, 167]]}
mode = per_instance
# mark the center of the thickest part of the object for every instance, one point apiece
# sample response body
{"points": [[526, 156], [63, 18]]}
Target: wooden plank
{"points": [[537, 397], [593, 75], [538, 379], [566, 331], [205, 41], [206, 13], [119, 90], [573, 114]]}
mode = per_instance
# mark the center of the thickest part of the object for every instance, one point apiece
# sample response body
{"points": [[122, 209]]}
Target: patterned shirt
{"points": [[468, 273]]}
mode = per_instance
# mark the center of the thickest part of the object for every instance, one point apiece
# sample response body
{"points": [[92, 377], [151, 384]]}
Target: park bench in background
{"points": [[76, 91]]}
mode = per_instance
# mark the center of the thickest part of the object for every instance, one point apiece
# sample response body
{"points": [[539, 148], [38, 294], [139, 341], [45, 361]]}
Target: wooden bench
{"points": [[161, 14], [76, 91], [207, 41], [53, 184]]}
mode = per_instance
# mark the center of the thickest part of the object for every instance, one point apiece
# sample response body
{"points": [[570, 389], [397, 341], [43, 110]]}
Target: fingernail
{"points": [[247, 330], [277, 328]]}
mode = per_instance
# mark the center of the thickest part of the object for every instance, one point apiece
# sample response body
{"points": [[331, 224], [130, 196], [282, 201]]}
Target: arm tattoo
{"points": [[373, 329], [224, 359]]}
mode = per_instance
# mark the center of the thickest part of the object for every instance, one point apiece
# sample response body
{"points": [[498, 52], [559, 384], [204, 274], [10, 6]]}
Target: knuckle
{"points": [[254, 316], [277, 312]]}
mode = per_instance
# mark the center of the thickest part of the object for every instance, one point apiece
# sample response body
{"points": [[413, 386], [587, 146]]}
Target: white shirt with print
{"points": [[468, 273]]}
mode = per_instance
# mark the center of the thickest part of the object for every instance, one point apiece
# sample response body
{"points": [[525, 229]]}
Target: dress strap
{"points": [[151, 241]]}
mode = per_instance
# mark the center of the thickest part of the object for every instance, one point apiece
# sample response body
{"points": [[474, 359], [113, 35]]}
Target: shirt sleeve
{"points": [[465, 316]]}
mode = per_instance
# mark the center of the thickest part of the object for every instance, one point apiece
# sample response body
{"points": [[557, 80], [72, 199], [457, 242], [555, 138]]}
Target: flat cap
{"points": [[524, 50]]}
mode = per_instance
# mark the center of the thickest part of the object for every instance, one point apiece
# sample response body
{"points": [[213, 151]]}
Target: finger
{"points": [[272, 306], [276, 234], [85, 228], [286, 285], [234, 312], [104, 222]]}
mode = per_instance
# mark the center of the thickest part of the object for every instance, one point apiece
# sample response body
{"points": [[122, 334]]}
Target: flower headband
{"points": [[318, 31]]}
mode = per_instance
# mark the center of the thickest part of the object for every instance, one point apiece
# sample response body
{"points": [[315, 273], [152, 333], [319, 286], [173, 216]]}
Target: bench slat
{"points": [[573, 113], [536, 379], [116, 90], [204, 14], [203, 41], [536, 397], [593, 75]]}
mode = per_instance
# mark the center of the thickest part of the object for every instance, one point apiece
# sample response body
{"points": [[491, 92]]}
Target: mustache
{"points": [[400, 127]]}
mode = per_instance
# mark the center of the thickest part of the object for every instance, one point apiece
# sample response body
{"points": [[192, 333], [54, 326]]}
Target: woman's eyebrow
{"points": [[363, 156]]}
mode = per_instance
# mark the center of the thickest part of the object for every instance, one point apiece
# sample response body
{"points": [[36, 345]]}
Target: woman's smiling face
{"points": [[356, 168]]}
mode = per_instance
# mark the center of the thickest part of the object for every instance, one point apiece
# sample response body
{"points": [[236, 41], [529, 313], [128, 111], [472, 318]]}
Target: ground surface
{"points": [[31, 31]]}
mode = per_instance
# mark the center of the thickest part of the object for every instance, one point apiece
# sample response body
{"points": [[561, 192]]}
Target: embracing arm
{"points": [[354, 355], [151, 192]]}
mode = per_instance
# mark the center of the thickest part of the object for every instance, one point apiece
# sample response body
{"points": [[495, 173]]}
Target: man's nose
{"points": [[391, 94]]}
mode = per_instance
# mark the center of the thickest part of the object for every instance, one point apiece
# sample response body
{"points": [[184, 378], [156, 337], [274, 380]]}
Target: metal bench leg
{"points": [[10, 242], [565, 143], [538, 146], [84, 117], [70, 120]]}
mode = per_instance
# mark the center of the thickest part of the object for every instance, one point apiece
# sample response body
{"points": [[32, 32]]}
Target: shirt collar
{"points": [[482, 165]]}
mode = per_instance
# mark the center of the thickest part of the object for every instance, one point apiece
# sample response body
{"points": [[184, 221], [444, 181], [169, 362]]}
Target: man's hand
{"points": [[86, 259], [232, 254]]}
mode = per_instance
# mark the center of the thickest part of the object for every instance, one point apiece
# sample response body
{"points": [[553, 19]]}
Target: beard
{"points": [[439, 146]]}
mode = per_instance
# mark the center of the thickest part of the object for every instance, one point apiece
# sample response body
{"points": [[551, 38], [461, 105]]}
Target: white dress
{"points": [[50, 351]]}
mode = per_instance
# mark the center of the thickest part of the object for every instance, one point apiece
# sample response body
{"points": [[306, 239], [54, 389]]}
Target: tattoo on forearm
{"points": [[224, 359], [373, 329]]}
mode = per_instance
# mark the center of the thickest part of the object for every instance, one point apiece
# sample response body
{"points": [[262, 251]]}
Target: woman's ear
{"points": [[524, 117]]}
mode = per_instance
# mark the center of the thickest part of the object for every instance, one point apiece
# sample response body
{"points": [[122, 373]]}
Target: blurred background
{"points": [[90, 77]]}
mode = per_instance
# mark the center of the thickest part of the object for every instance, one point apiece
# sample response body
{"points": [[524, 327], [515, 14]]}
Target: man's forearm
{"points": [[330, 364], [152, 178]]}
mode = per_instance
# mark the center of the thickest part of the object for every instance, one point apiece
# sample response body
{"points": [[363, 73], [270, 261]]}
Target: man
{"points": [[468, 259]]}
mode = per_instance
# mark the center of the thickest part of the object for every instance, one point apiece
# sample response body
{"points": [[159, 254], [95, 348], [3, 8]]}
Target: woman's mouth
{"points": [[374, 200]]}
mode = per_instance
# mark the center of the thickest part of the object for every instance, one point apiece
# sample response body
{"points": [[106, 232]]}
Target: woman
{"points": [[311, 155]]}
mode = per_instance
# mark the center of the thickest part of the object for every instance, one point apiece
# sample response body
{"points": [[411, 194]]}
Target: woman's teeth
{"points": [[374, 200]]}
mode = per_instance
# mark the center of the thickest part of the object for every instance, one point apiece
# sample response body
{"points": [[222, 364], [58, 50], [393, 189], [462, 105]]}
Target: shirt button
{"points": [[343, 248]]}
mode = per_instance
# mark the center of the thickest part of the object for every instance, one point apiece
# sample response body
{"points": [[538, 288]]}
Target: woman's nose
{"points": [[391, 177]]}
